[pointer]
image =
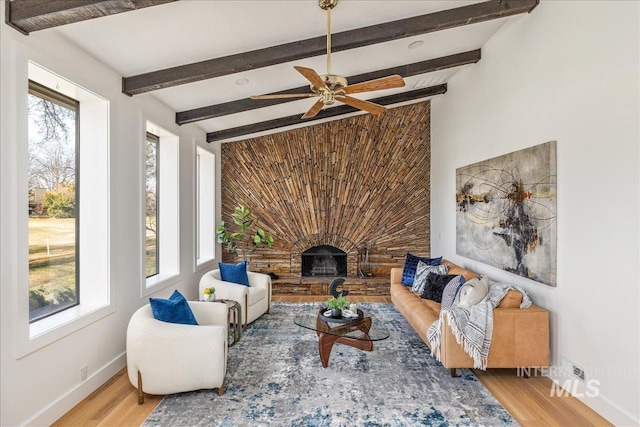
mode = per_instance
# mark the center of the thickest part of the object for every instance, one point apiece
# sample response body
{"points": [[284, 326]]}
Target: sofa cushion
{"points": [[173, 310], [234, 273], [422, 271], [451, 290], [435, 285], [411, 264]]}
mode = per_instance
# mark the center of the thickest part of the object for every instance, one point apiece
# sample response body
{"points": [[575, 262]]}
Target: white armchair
{"points": [[165, 358], [254, 300]]}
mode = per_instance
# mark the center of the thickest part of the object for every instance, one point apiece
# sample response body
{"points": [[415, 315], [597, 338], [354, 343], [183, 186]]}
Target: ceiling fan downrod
{"points": [[328, 5]]}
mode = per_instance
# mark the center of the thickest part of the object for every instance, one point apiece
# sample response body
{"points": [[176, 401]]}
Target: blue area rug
{"points": [[275, 378]]}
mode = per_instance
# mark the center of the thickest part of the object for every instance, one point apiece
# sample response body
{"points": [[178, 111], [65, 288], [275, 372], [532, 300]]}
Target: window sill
{"points": [[53, 328], [158, 282], [202, 264]]}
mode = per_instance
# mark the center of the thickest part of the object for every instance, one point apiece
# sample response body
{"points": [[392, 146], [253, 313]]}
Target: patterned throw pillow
{"points": [[422, 271], [451, 290], [435, 286], [410, 265]]}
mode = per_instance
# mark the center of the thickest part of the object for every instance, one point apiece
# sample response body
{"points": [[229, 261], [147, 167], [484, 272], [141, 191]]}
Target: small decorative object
{"points": [[333, 288], [209, 294], [337, 304], [353, 307]]}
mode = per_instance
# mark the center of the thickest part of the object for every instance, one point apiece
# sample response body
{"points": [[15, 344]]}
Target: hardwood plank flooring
{"points": [[528, 400]]}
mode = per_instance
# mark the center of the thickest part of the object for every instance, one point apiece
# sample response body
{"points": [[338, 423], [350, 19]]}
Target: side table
{"points": [[235, 320]]}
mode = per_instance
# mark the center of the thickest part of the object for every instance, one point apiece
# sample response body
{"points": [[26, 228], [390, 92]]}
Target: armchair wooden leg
{"points": [[140, 392], [221, 389], [453, 372]]}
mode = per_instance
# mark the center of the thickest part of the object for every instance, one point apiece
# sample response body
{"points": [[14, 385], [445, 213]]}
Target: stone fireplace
{"points": [[324, 260], [357, 187]]}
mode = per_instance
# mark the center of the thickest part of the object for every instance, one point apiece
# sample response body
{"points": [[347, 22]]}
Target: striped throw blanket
{"points": [[473, 326]]}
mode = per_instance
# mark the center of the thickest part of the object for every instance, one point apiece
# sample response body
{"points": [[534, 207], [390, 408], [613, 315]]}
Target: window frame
{"points": [[169, 207], [97, 290], [204, 252], [155, 139], [51, 95]]}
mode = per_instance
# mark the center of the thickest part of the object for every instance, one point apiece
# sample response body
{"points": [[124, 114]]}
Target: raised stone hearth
{"points": [[374, 286], [359, 185]]}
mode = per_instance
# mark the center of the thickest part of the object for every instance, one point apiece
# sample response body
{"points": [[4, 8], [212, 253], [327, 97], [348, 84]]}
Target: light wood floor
{"points": [[115, 403]]}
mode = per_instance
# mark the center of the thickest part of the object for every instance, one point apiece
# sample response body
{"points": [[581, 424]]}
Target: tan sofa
{"points": [[520, 336]]}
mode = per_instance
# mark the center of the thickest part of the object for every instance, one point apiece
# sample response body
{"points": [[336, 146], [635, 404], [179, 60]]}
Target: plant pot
{"points": [[336, 312], [209, 297]]}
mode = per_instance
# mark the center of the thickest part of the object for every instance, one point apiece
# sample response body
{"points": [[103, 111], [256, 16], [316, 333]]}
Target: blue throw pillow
{"points": [[410, 265], [173, 310], [234, 273]]}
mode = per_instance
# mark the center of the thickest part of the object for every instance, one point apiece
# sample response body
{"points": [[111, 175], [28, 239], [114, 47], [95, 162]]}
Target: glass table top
{"points": [[366, 329]]}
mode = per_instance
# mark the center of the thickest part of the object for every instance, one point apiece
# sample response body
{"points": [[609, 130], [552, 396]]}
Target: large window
{"points": [[63, 275], [151, 205], [53, 150], [161, 208], [205, 206]]}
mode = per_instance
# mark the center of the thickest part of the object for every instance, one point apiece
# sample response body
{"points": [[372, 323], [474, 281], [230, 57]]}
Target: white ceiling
{"points": [[188, 31]]}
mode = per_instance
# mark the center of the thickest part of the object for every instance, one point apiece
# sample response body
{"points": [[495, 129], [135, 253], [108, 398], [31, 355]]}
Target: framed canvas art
{"points": [[506, 212]]}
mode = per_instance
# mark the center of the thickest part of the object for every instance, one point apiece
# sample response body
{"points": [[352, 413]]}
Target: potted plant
{"points": [[209, 294], [241, 240], [337, 304]]}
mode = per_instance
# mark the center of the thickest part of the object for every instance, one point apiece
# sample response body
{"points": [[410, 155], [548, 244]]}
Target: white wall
{"points": [[40, 387], [567, 72]]}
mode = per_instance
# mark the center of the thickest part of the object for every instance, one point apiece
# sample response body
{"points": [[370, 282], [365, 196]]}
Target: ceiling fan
{"points": [[331, 87]]}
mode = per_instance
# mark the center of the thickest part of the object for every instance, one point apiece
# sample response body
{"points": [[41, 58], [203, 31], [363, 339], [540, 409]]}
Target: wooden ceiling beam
{"points": [[232, 107], [345, 40], [27, 16], [327, 112]]}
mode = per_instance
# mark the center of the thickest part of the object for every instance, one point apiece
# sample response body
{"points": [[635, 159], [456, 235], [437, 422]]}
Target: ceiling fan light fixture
{"points": [[330, 88]]}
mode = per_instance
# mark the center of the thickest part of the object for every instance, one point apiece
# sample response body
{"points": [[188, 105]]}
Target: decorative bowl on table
{"points": [[345, 317]]}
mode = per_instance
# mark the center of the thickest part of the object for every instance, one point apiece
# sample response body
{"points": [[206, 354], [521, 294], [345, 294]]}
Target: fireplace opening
{"points": [[324, 260]]}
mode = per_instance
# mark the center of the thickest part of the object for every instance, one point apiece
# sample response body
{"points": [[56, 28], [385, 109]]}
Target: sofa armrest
{"points": [[396, 276], [259, 280], [520, 339]]}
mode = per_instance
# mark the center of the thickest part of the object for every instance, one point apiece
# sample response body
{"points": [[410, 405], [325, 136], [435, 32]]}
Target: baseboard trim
{"points": [[65, 403]]}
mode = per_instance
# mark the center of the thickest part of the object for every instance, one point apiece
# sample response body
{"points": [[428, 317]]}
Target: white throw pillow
{"points": [[472, 292]]}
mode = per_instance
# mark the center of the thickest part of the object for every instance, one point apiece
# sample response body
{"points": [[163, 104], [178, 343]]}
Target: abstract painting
{"points": [[506, 212]]}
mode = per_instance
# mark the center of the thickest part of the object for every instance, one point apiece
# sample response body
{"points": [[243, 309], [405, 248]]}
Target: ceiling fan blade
{"points": [[312, 76], [284, 95], [361, 104], [315, 109], [389, 82]]}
